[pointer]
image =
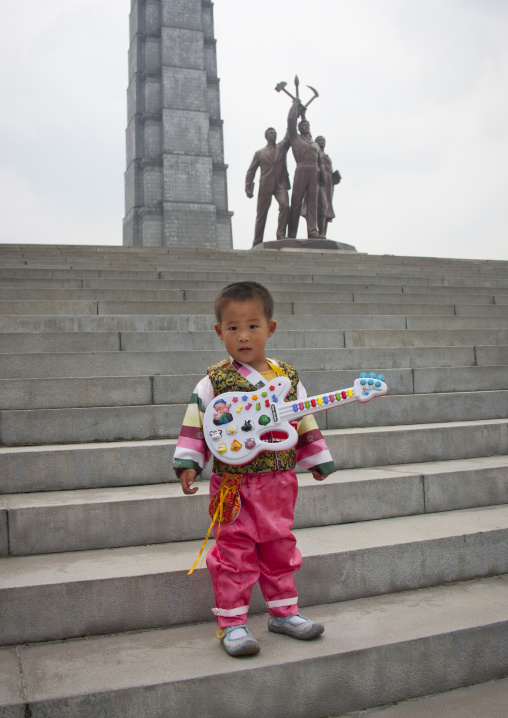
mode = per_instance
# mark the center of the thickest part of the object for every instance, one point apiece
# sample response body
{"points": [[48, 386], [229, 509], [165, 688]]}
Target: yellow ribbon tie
{"points": [[218, 513]]}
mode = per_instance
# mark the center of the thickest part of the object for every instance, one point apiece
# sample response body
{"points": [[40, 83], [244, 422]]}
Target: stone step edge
{"points": [[387, 637], [358, 431], [21, 427], [171, 489], [149, 461], [487, 698], [149, 387], [83, 519], [177, 557]]}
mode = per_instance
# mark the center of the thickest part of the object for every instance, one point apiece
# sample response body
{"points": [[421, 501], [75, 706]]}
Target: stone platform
{"points": [[321, 244]]}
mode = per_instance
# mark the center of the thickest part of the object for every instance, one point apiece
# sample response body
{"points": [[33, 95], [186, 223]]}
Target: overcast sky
{"points": [[413, 104]]}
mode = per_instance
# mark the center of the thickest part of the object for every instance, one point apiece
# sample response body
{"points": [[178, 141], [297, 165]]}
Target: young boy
{"points": [[258, 545]]}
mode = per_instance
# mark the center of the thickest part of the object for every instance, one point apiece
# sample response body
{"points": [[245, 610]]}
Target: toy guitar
{"points": [[240, 425]]}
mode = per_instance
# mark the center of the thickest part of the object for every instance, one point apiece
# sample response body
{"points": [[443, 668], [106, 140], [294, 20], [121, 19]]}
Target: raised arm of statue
{"points": [[293, 120]]}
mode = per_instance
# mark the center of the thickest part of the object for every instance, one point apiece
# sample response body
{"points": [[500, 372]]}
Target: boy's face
{"points": [[244, 330]]}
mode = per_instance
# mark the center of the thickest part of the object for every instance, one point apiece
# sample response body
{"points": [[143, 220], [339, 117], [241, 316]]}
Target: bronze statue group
{"points": [[313, 183]]}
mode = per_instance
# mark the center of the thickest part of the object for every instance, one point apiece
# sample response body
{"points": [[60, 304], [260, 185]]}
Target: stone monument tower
{"points": [[175, 182]]}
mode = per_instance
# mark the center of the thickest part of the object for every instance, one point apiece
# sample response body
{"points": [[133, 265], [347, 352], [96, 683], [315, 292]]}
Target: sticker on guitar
{"points": [[240, 425]]}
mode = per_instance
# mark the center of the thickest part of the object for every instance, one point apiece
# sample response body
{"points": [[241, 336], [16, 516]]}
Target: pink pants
{"points": [[257, 546]]}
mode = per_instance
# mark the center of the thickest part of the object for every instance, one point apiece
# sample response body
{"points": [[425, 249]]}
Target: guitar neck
{"points": [[365, 388], [312, 404]]}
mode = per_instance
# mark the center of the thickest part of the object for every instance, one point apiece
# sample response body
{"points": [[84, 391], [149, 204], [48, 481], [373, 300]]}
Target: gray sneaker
{"points": [[296, 626], [243, 643]]}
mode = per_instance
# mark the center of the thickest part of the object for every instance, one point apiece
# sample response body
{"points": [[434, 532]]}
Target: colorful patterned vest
{"points": [[225, 377]]}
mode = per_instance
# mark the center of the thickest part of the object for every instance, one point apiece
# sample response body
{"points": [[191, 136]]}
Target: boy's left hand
{"points": [[318, 476]]}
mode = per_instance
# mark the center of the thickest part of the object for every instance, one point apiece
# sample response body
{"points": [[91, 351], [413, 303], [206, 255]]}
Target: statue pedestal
{"points": [[320, 245]]}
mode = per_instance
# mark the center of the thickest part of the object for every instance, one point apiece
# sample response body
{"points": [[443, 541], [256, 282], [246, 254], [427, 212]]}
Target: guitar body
{"points": [[239, 425]]}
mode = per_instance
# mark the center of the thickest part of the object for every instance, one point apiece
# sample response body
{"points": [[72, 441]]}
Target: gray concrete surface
{"points": [[71, 393], [124, 589], [88, 519], [163, 421], [133, 516], [77, 466], [431, 508], [484, 700], [76, 364], [47, 307], [384, 649], [192, 322], [172, 340]]}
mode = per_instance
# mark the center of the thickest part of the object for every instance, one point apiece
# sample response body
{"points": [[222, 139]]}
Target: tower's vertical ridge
{"points": [[175, 182]]}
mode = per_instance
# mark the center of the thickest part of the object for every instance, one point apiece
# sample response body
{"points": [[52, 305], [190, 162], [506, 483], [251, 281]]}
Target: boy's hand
{"points": [[318, 476], [187, 479]]}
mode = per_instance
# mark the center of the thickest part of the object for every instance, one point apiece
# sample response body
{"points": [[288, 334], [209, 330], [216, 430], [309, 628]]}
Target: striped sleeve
{"points": [[311, 449], [191, 450]]}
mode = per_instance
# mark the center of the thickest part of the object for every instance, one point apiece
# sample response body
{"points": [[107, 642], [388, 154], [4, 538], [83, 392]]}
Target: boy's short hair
{"points": [[241, 292]]}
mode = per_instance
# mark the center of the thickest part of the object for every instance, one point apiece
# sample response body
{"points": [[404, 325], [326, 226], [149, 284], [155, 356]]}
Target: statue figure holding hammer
{"points": [[309, 172]]}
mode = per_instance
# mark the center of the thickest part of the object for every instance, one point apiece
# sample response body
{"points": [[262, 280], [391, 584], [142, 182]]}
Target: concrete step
{"points": [[424, 337], [124, 589], [33, 307], [299, 273], [483, 699], [285, 307], [69, 273], [212, 287], [203, 322], [128, 463], [34, 342], [164, 421], [377, 646], [338, 293], [19, 342], [82, 392], [282, 289], [83, 364], [82, 520], [479, 310], [335, 294], [124, 294], [422, 322], [119, 252], [422, 409]]}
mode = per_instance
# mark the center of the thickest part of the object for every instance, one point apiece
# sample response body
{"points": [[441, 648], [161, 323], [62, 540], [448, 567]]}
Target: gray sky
{"points": [[413, 104]]}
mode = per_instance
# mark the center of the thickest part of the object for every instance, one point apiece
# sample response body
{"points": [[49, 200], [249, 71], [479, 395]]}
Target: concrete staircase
{"points": [[405, 549]]}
